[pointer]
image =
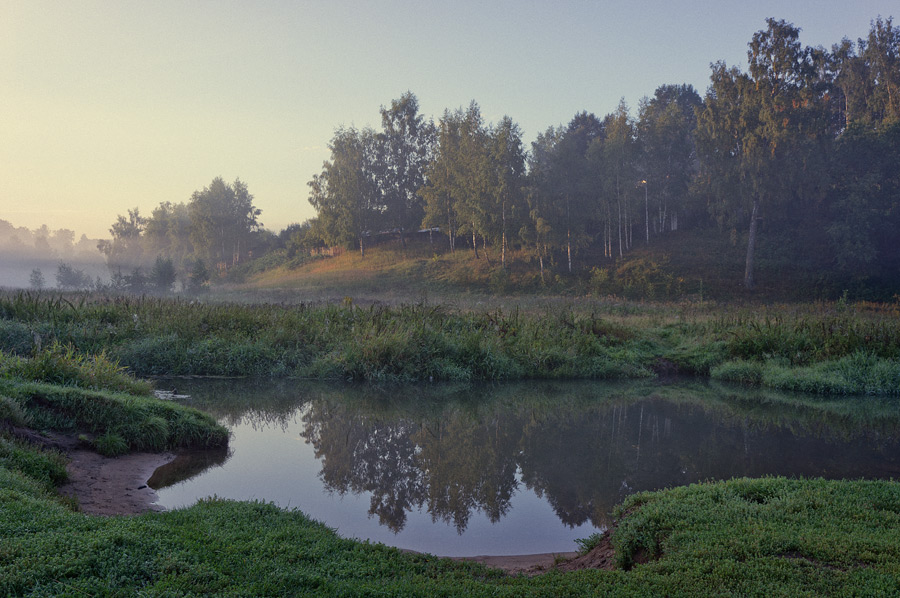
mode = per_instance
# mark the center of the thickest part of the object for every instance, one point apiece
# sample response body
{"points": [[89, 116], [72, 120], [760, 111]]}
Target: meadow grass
{"points": [[818, 347]]}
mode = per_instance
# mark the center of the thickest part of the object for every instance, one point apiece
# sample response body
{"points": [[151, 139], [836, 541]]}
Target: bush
{"points": [[636, 278], [110, 445], [11, 413]]}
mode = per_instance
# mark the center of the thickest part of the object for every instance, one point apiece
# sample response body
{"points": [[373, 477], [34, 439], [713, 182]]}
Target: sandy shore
{"points": [[105, 486]]}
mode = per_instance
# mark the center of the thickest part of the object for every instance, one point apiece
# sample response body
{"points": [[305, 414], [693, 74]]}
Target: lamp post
{"points": [[646, 211]]}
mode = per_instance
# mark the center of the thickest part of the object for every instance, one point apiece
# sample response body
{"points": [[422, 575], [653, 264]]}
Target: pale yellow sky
{"points": [[108, 105]]}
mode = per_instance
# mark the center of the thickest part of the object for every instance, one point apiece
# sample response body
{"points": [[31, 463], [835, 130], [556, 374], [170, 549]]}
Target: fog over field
{"points": [[23, 250]]}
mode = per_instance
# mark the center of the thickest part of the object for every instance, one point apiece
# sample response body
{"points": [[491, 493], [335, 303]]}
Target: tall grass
{"points": [[61, 389], [590, 338]]}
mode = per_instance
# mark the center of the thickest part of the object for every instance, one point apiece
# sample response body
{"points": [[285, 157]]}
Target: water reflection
{"points": [[188, 465], [454, 452]]}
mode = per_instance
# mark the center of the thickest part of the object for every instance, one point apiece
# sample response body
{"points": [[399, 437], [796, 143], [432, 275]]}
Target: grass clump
{"points": [[59, 389], [11, 413], [65, 366], [110, 444], [859, 373], [47, 467], [769, 536], [585, 545], [145, 423]]}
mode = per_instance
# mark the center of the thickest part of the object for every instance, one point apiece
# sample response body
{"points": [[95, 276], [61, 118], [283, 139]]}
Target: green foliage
{"points": [[223, 219], [47, 467], [65, 366], [70, 278], [36, 280], [144, 423], [637, 278], [11, 413], [198, 278], [16, 337], [765, 536], [162, 276], [742, 537], [859, 373]]}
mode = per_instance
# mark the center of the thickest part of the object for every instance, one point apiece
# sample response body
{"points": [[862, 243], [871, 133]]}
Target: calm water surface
{"points": [[513, 468]]}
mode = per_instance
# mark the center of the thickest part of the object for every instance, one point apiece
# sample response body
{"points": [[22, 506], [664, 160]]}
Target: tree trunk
{"points": [[503, 240], [362, 249], [474, 241], [619, 225], [450, 233], [751, 245], [646, 214], [541, 260], [568, 233]]}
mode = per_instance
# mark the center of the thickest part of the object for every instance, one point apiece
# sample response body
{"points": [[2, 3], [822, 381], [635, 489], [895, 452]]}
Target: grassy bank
{"points": [[822, 348], [61, 391], [772, 537]]}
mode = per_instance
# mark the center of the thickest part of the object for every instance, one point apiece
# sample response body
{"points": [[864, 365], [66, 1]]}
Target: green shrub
{"points": [[585, 545], [110, 444]]}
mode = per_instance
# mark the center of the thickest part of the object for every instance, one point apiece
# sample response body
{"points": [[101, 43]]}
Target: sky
{"points": [[115, 104]]}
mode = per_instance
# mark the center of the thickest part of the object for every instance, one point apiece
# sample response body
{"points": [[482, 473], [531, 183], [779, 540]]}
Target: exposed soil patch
{"points": [[102, 485], [522, 564], [106, 486], [601, 556]]}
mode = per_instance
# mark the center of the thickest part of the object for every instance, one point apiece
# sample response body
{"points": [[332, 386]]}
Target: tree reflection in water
{"points": [[459, 450]]}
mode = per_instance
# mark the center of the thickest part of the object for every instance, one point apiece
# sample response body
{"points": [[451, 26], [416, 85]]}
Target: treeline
{"points": [[803, 148], [43, 243], [186, 243]]}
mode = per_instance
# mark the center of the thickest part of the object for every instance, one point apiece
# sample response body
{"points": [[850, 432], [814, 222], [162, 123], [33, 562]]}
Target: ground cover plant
{"points": [[773, 537]]}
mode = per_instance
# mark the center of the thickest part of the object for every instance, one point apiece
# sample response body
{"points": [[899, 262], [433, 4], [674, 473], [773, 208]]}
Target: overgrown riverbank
{"points": [[818, 348], [773, 537], [740, 537]]}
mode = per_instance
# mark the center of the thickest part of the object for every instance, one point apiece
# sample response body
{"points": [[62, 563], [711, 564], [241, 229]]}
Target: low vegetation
{"points": [[60, 371], [63, 391], [760, 537], [824, 348]]}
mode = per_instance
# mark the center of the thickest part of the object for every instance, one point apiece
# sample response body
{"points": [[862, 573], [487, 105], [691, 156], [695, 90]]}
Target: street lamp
{"points": [[646, 211]]}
